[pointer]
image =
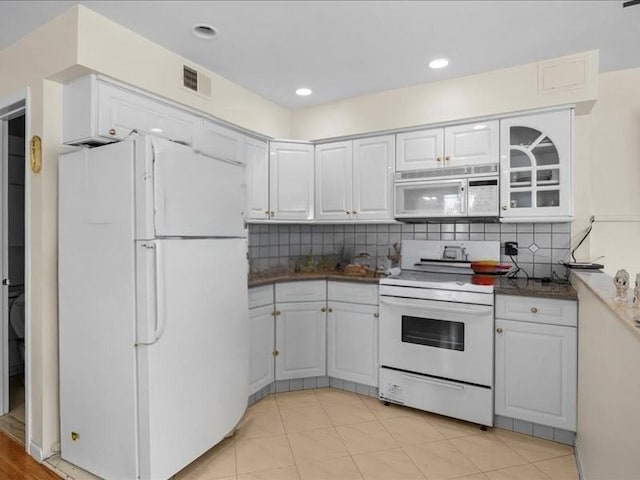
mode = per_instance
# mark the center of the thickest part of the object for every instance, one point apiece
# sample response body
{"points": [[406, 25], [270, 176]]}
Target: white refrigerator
{"points": [[153, 315]]}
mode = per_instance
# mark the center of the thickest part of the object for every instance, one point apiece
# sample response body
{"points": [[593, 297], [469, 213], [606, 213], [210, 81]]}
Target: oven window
{"points": [[434, 333]]}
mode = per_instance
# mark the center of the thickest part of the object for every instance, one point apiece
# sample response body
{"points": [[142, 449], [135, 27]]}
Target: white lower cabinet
{"points": [[536, 366], [301, 332], [261, 368], [352, 342], [298, 336], [261, 337], [352, 338]]}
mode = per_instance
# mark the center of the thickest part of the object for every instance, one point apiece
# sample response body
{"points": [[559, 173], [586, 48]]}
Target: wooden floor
{"points": [[16, 464]]}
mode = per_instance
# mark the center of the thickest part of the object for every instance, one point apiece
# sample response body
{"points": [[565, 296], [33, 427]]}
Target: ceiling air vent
{"points": [[196, 81]]}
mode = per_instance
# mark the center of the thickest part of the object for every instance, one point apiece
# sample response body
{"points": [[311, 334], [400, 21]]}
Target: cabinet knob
{"points": [[534, 310], [112, 131], [447, 158], [376, 315], [499, 330], [275, 353], [323, 309], [272, 213], [504, 207], [438, 159], [275, 313], [330, 309]]}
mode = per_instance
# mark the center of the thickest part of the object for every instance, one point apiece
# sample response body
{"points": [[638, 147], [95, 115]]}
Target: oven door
{"points": [[443, 339], [442, 198]]}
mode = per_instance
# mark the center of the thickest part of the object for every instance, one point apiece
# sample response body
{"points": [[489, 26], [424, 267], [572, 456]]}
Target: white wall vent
{"points": [[196, 81]]}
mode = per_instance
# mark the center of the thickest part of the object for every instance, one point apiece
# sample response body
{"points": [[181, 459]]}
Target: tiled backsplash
{"points": [[540, 246]]}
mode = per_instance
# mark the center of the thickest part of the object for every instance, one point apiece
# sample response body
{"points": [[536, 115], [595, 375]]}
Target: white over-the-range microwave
{"points": [[470, 191]]}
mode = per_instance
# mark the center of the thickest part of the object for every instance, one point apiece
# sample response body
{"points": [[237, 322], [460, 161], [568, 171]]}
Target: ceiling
{"points": [[342, 49]]}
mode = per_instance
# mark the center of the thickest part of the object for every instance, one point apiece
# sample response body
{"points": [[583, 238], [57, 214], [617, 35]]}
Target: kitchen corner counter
{"points": [[258, 280], [535, 288], [601, 284]]}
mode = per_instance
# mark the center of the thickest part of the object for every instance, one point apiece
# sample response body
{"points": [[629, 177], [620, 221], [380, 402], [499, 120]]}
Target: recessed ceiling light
{"points": [[303, 92], [438, 63], [156, 130], [204, 31]]}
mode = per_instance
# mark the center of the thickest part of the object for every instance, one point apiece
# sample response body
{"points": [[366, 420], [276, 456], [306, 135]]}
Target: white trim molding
{"points": [[617, 218]]}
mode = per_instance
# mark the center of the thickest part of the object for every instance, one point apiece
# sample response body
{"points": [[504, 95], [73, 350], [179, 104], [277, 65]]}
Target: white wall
{"points": [[524, 87], [615, 171], [109, 48]]}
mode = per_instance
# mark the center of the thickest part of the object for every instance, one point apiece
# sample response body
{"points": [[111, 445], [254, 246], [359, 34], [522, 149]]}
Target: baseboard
{"points": [[576, 449], [36, 452]]}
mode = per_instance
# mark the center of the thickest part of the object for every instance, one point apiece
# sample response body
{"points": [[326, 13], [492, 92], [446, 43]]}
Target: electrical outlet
{"points": [[511, 248]]}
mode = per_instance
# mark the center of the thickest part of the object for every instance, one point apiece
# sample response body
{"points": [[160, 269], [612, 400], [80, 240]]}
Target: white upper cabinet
{"points": [[419, 150], [354, 180], [472, 144], [291, 176], [334, 181], [535, 167], [257, 159], [460, 145], [98, 111], [220, 142], [373, 178]]}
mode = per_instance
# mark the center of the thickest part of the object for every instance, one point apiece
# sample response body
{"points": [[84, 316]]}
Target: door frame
{"points": [[12, 105]]}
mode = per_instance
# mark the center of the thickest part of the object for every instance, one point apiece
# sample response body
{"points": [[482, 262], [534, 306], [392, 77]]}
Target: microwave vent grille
{"points": [[448, 172]]}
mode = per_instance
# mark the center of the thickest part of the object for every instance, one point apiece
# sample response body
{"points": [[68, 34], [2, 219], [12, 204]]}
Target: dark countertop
{"points": [[257, 280], [503, 285], [534, 288]]}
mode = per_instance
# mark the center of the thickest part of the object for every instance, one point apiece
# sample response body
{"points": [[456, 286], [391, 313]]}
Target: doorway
{"points": [[12, 276]]}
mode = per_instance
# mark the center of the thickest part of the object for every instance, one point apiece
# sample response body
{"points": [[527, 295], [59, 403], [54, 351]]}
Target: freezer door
{"points": [[193, 352], [193, 195]]}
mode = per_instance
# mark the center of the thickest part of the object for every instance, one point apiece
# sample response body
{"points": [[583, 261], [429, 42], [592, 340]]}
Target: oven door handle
{"points": [[452, 386], [465, 308]]}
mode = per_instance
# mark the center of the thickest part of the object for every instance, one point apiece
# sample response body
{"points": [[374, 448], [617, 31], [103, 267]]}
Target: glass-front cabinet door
{"points": [[535, 166]]}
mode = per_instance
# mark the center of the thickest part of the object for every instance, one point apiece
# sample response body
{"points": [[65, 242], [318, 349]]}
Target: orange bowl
{"points": [[490, 268]]}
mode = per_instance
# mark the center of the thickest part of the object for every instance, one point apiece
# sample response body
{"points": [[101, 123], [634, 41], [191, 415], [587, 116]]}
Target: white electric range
{"points": [[436, 330]]}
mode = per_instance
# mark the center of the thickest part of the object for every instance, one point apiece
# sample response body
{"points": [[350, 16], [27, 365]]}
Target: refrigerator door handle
{"points": [[158, 287]]}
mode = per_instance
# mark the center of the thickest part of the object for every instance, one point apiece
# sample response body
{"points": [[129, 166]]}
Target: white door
{"points": [[196, 195], [257, 158], [261, 345], [352, 342], [333, 181], [301, 330], [373, 160], [419, 150], [291, 176], [472, 144], [536, 373], [535, 167], [193, 349]]}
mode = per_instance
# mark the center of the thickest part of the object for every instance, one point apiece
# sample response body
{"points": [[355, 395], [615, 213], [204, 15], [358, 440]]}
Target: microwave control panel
{"points": [[483, 196]]}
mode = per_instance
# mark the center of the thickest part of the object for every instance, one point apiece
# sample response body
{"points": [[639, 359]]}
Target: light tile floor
{"points": [[335, 435]]}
